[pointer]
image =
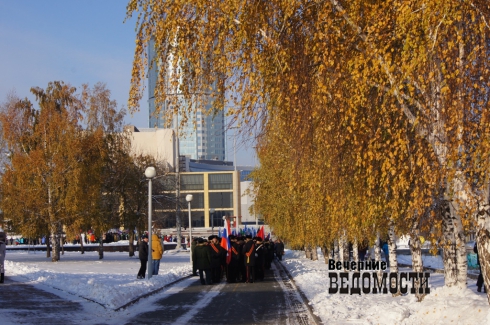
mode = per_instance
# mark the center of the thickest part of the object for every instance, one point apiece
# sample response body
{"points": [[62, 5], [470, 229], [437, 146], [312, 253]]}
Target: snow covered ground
{"points": [[111, 283]]}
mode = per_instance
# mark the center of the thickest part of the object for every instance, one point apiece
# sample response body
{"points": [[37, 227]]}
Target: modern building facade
{"points": [[215, 195], [218, 187], [203, 137]]}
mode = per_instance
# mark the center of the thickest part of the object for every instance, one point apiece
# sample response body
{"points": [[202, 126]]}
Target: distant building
{"points": [[214, 184], [158, 143], [203, 137]]}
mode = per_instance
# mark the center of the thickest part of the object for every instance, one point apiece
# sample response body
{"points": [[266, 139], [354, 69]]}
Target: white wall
{"points": [[158, 143]]}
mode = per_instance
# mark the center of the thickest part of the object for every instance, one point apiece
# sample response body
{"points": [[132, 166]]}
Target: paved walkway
{"points": [[26, 304], [272, 301]]}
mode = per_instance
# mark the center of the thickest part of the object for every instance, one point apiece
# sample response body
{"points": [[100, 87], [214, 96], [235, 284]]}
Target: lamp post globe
{"points": [[150, 172]]}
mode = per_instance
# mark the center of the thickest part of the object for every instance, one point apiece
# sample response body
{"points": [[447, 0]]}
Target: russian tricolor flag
{"points": [[225, 241]]}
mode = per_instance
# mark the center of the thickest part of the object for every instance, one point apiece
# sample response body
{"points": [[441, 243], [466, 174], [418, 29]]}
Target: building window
{"points": [[191, 182], [221, 181], [220, 200], [197, 200]]}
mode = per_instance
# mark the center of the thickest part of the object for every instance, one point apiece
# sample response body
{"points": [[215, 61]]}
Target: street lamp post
{"points": [[188, 198], [211, 213], [150, 173]]}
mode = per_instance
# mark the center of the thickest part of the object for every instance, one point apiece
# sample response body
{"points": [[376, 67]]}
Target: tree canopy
{"points": [[372, 112], [70, 164]]}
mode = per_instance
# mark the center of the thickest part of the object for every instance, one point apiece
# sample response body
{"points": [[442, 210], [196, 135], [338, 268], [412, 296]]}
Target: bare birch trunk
{"points": [[342, 249], [392, 249], [377, 255], [82, 239], [308, 251], [483, 243], [48, 248], [392, 255], [101, 246], [62, 245], [355, 251], [131, 243], [326, 253], [454, 257], [314, 254], [55, 244], [417, 262], [336, 255], [483, 239], [346, 251]]}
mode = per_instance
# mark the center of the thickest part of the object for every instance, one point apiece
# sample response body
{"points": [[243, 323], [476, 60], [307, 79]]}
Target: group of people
{"points": [[249, 258]]}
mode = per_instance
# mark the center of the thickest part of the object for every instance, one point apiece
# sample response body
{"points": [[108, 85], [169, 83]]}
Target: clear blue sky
{"points": [[76, 41]]}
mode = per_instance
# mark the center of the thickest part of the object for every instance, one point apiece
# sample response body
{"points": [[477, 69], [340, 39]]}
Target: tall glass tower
{"points": [[206, 140]]}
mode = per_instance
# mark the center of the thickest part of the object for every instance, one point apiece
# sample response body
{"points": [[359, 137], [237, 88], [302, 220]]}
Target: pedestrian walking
{"points": [[143, 255], [201, 256], [279, 245], [156, 253], [479, 281], [386, 251], [3, 249]]}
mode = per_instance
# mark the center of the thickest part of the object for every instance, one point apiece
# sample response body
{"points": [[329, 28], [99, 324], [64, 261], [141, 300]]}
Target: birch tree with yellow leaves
{"points": [[313, 68], [60, 173]]}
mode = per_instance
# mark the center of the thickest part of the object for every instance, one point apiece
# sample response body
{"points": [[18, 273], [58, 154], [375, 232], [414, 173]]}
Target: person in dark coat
{"points": [[223, 252], [249, 257], [193, 245], [479, 281], [259, 259], [362, 248], [269, 254], [242, 269], [3, 249], [386, 251], [201, 257], [216, 256], [143, 255], [232, 275], [279, 245]]}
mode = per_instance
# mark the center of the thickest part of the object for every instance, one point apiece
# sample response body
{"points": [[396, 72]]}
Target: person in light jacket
{"points": [[156, 252]]}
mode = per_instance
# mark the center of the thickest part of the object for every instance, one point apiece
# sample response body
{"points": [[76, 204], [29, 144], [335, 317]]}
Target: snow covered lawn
{"points": [[441, 306], [110, 281]]}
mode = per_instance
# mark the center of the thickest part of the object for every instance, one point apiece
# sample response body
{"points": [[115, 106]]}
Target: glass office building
{"points": [[203, 137]]}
